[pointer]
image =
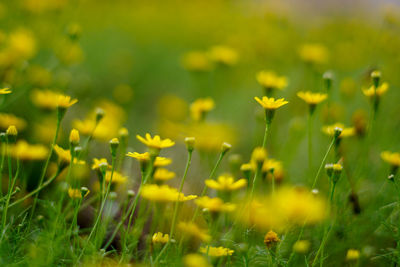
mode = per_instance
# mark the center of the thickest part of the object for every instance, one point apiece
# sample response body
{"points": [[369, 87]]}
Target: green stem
{"points": [[3, 153], [310, 121], [176, 208], [267, 126], [322, 163], [60, 115]]}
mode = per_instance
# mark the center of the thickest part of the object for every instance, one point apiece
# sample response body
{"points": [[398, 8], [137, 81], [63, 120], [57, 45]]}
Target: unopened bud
{"points": [[12, 134], [99, 114], [114, 143], [131, 193], [74, 137], [84, 191], [376, 76], [225, 147], [337, 132], [190, 141]]}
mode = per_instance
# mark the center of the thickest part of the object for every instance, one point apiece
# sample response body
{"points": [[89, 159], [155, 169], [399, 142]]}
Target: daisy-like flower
{"points": [[5, 91], [50, 100], [162, 174], [64, 155], [200, 107], [117, 177], [214, 204], [216, 251], [271, 103], [191, 229], [164, 193], [379, 91], [24, 151], [97, 162], [226, 183], [65, 101], [145, 157], [270, 80], [393, 158], [346, 131], [155, 142], [9, 119], [160, 238], [77, 193], [312, 99]]}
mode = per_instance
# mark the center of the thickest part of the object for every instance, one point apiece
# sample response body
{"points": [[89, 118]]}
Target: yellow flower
{"points": [[144, 157], [9, 119], [191, 229], [5, 91], [97, 162], [352, 255], [301, 246], [312, 98], [314, 53], [258, 156], [160, 238], [195, 260], [76, 193], [164, 193], [214, 204], [200, 107], [24, 151], [22, 44], [270, 103], [155, 142], [271, 238], [287, 207], [346, 131], [393, 158], [372, 91], [269, 80], [223, 55], [270, 165], [162, 174], [196, 61], [50, 100], [216, 251], [64, 155], [117, 177], [226, 183], [12, 130], [74, 137]]}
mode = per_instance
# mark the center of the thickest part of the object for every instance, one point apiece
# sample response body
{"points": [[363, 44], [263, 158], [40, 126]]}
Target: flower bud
{"points": [[3, 137], [376, 76], [12, 134], [225, 147], [337, 132], [74, 137], [259, 155], [99, 114], [131, 193], [328, 78], [337, 171], [329, 169], [246, 169], [84, 191], [114, 143], [113, 195], [190, 141]]}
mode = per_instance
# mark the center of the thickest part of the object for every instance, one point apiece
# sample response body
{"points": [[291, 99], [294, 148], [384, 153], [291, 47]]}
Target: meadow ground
{"points": [[199, 133]]}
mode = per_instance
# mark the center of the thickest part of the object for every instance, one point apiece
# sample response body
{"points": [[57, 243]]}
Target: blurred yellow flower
{"points": [[164, 193], [214, 204], [270, 80], [372, 91], [22, 44], [352, 255], [76, 193], [275, 166], [224, 55], [123, 93], [200, 107], [195, 260], [393, 158], [9, 119], [143, 157], [346, 131], [160, 238], [162, 174], [312, 98], [48, 99], [301, 246], [117, 177], [155, 142], [314, 53], [196, 61], [270, 103], [226, 183], [191, 229], [216, 251], [64, 155], [258, 156], [172, 107], [65, 101], [271, 238], [5, 91], [97, 162], [24, 151]]}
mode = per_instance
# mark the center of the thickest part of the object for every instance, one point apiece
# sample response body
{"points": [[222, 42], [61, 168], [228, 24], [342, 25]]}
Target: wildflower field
{"points": [[199, 133]]}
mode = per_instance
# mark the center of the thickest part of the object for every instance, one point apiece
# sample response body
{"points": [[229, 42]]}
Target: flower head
{"points": [[224, 55], [214, 204], [98, 162], [155, 142], [164, 193], [312, 98], [160, 238], [48, 99], [314, 53], [5, 91], [270, 103], [24, 151], [352, 255], [197, 61], [64, 156], [145, 157], [117, 177], [77, 193], [200, 107], [9, 119], [226, 183], [345, 131], [270, 80], [195, 260], [301, 246], [378, 91], [217, 251], [162, 174], [393, 158], [191, 229], [271, 238]]}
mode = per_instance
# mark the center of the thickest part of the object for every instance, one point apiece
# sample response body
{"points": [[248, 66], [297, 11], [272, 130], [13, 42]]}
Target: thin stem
{"points": [[3, 153], [322, 163], [60, 115], [267, 126], [176, 208], [310, 122]]}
